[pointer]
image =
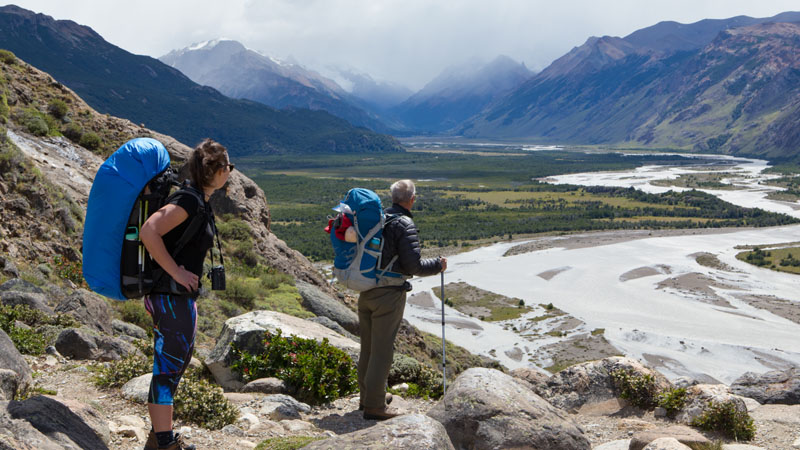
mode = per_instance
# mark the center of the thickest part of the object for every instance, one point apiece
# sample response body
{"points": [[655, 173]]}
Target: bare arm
{"points": [[152, 232]]}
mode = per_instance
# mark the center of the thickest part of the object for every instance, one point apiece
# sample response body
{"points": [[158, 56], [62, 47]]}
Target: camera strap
{"points": [[216, 235]]}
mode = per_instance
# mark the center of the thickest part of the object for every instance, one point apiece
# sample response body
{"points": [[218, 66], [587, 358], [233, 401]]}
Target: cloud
{"points": [[407, 41]]}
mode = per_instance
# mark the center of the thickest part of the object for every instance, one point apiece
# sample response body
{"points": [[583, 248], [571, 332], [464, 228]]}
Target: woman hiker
{"points": [[175, 315]]}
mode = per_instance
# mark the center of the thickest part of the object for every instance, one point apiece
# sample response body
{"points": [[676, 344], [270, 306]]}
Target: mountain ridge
{"points": [[147, 91]]}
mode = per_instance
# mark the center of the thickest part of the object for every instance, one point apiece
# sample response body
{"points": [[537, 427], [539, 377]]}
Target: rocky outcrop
{"points": [[79, 343], [247, 332], [700, 396], [66, 422], [322, 304], [19, 285], [667, 443], [684, 435], [128, 329], [12, 360], [592, 382], [409, 432], [777, 386], [487, 409], [31, 300], [282, 407], [88, 309]]}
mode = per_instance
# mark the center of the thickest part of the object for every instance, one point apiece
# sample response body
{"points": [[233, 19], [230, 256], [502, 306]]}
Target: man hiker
{"points": [[380, 310]]}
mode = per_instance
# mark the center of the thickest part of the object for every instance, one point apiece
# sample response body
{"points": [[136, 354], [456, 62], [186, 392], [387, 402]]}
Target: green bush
{"points": [[234, 230], [133, 311], [639, 390], [7, 57], [58, 108], [319, 372], [33, 122], [202, 403], [673, 400], [274, 279], [727, 419], [69, 270], [241, 292], [32, 341], [422, 380], [73, 132], [3, 107], [244, 252], [90, 140], [117, 373]]}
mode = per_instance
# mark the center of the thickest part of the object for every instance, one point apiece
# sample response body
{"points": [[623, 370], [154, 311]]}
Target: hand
{"points": [[443, 262], [186, 279]]}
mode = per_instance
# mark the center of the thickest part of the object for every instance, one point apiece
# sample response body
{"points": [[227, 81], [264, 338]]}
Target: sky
{"points": [[408, 42]]}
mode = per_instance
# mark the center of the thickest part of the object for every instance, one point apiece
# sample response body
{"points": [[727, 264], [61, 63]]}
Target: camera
{"points": [[217, 276]]}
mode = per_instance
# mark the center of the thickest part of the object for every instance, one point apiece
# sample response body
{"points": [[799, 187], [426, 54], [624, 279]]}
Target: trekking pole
{"points": [[444, 359]]}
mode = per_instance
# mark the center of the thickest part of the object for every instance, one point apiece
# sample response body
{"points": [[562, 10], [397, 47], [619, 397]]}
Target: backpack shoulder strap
{"points": [[197, 220]]}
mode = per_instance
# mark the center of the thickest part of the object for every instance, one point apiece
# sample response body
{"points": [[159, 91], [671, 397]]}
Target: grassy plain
{"points": [[785, 259]]}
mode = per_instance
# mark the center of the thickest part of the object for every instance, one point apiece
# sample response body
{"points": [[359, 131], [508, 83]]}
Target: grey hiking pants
{"points": [[380, 311]]}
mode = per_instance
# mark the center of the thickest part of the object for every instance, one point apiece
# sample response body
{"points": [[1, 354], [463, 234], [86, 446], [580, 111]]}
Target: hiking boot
{"points": [[380, 413], [388, 400], [178, 444], [152, 442]]}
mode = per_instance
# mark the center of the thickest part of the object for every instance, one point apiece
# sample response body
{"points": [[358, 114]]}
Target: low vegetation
{"points": [[727, 419], [28, 338], [482, 304], [785, 259], [287, 442], [478, 205], [317, 371]]}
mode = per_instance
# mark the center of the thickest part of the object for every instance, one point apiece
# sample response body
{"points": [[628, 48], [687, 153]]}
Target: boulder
{"points": [[247, 332], [7, 267], [410, 432], [666, 443], [591, 382], [89, 309], [67, 422], [266, 386], [31, 300], [326, 322], [9, 384], [619, 444], [128, 329], [535, 379], [682, 434], [282, 407], [21, 435], [80, 343], [698, 398], [11, 359], [487, 409], [20, 285], [137, 389], [322, 304], [777, 386]]}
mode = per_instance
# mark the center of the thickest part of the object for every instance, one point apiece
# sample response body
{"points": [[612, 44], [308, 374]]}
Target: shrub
{"points": [[69, 270], [117, 373], [202, 403], [243, 251], [274, 279], [73, 132], [34, 123], [134, 312], [639, 390], [318, 371], [90, 140], [235, 230], [727, 419], [31, 341], [241, 292], [8, 57], [673, 400], [57, 108], [3, 107]]}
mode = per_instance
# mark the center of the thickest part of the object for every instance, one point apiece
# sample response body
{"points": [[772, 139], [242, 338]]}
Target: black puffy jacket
{"points": [[400, 238]]}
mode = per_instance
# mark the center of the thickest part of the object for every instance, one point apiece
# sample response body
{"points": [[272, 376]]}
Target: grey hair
{"points": [[402, 191]]}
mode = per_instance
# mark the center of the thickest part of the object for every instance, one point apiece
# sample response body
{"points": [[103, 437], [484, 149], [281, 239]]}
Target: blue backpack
{"points": [[133, 183], [357, 264]]}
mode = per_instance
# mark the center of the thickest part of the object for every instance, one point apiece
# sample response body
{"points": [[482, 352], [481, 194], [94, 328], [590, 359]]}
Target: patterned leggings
{"points": [[174, 329]]}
